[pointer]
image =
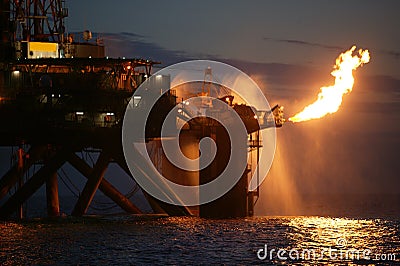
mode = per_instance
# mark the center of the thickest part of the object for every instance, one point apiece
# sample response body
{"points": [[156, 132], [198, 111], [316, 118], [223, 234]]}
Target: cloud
{"points": [[126, 44], [382, 83], [278, 73], [133, 35], [301, 42], [394, 54], [281, 82]]}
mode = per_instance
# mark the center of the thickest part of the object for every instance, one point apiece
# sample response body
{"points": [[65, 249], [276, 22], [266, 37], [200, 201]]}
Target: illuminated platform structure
{"points": [[59, 97]]}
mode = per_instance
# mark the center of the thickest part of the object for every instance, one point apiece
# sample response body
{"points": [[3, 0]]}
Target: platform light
{"points": [[179, 110], [136, 100], [16, 72], [79, 113]]}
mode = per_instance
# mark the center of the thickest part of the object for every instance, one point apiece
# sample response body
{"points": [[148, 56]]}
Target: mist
{"points": [[342, 164]]}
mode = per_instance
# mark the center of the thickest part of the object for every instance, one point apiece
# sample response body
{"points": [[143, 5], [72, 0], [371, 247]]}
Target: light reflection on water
{"points": [[173, 240], [379, 236]]}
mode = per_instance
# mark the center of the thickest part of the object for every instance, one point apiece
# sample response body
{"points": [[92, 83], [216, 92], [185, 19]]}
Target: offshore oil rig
{"points": [[59, 97]]}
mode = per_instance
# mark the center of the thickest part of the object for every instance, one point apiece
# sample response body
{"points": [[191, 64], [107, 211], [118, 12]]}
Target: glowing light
{"points": [[110, 114], [136, 100], [79, 113], [330, 98]]}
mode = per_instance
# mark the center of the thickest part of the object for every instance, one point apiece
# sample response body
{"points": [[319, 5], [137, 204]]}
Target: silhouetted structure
{"points": [[59, 97]]}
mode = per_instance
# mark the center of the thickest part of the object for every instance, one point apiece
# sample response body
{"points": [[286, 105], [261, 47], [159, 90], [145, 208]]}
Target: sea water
{"points": [[158, 240]]}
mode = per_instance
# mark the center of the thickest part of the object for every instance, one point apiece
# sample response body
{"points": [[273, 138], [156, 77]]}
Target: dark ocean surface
{"points": [[157, 240]]}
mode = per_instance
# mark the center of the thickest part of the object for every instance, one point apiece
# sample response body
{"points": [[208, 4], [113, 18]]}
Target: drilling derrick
{"points": [[38, 20]]}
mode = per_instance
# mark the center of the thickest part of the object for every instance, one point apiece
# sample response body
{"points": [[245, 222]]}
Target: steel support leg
{"points": [[20, 208], [107, 188], [12, 176], [53, 205], [92, 184], [157, 205], [33, 184]]}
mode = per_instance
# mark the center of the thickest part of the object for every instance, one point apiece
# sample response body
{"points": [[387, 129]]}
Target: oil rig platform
{"points": [[59, 97]]}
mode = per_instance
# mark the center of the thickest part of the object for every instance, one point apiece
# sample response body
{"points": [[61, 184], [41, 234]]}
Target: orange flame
{"points": [[330, 98]]}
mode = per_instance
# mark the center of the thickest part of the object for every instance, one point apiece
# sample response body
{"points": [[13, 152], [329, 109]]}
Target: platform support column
{"points": [[33, 184], [92, 185], [12, 176], [107, 188], [53, 205]]}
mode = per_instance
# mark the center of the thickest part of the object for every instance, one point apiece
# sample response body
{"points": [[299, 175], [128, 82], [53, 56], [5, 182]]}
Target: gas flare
{"points": [[330, 98]]}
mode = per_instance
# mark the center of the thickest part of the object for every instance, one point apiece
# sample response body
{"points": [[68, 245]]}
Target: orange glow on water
{"points": [[330, 98]]}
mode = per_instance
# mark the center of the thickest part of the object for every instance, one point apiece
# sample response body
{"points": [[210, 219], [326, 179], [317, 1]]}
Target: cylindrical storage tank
{"points": [[189, 145], [234, 203]]}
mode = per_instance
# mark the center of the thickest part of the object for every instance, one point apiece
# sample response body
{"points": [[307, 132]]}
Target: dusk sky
{"points": [[289, 48], [307, 33]]}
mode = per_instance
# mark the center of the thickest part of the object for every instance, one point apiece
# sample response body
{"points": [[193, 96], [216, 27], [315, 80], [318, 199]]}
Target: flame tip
{"points": [[330, 98]]}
